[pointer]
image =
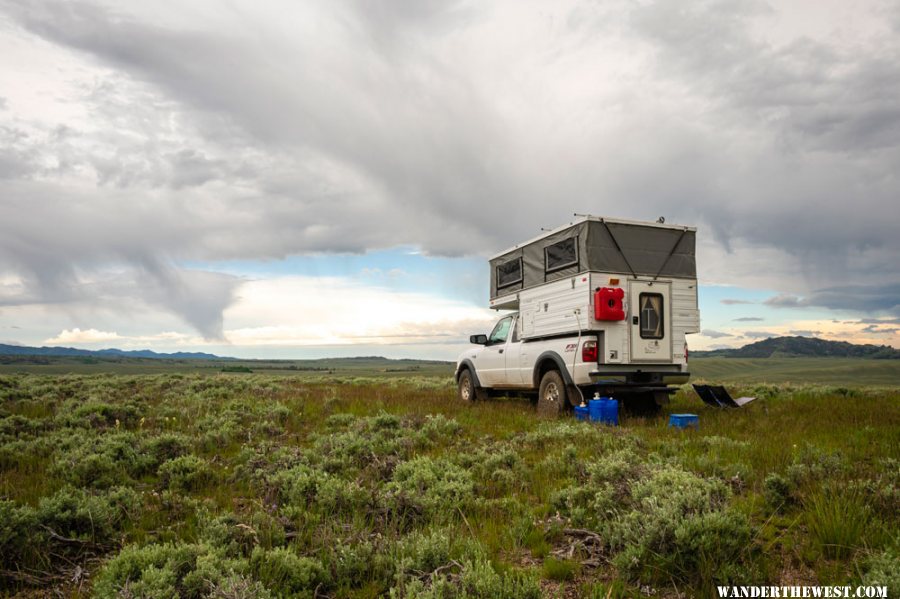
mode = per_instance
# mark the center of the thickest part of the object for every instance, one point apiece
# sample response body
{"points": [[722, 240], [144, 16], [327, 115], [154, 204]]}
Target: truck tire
{"points": [[552, 394], [466, 389]]}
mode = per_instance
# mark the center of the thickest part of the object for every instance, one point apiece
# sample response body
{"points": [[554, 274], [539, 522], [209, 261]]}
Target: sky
{"points": [[327, 177]]}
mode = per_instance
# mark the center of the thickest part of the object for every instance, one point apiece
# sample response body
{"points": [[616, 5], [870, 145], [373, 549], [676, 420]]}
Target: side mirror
{"points": [[478, 339]]}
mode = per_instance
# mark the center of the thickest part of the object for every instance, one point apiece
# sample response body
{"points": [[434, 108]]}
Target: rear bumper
{"points": [[640, 378]]}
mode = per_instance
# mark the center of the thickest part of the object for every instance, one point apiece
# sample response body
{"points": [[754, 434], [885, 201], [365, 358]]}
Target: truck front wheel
{"points": [[466, 389], [552, 399]]}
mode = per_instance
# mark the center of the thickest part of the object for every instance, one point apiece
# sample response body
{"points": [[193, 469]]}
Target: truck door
{"points": [[491, 361], [650, 314]]}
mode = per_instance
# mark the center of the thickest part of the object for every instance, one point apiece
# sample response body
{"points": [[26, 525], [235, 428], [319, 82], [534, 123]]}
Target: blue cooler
{"points": [[684, 420], [581, 412]]}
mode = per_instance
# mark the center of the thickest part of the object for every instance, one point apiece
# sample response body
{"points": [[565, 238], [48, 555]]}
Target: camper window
{"points": [[651, 315], [561, 254], [509, 273]]}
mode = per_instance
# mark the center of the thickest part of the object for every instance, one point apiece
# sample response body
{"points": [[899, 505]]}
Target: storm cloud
{"points": [[248, 131]]}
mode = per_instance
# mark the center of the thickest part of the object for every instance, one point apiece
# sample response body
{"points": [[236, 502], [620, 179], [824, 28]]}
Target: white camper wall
{"points": [[685, 314], [615, 333], [550, 309]]}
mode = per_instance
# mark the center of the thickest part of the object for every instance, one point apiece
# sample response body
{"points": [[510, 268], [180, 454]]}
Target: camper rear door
{"points": [[650, 320]]}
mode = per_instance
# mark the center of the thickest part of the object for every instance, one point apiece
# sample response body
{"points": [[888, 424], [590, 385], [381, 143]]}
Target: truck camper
{"points": [[598, 305]]}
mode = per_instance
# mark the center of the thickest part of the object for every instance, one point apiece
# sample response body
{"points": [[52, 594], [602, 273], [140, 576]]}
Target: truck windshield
{"points": [[501, 331]]}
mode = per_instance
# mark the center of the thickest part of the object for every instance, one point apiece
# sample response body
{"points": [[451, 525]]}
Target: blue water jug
{"points": [[581, 412], [595, 409], [610, 414]]}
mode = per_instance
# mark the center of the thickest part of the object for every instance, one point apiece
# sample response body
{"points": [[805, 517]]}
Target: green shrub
{"points": [[101, 461], [777, 490], [427, 486], [559, 570], [78, 514], [17, 528], [235, 586], [164, 447], [708, 547], [476, 578], [166, 570], [184, 473], [883, 569], [285, 573], [238, 536], [299, 485], [837, 521], [19, 427], [438, 426], [359, 563], [337, 495], [95, 413], [423, 552]]}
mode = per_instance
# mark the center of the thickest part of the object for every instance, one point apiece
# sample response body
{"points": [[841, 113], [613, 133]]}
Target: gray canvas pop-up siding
{"points": [[597, 245]]}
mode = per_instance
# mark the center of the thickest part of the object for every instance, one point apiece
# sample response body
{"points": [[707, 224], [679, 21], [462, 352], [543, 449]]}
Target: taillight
{"points": [[685, 353], [589, 351]]}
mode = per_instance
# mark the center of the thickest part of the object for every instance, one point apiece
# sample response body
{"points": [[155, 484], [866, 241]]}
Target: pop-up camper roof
{"points": [[596, 244]]}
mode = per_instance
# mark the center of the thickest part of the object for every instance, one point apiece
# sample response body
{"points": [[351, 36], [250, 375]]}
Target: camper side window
{"points": [[509, 273], [651, 315], [561, 254], [501, 331]]}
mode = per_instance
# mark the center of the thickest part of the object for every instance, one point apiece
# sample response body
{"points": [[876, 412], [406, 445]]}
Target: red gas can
{"points": [[608, 303]]}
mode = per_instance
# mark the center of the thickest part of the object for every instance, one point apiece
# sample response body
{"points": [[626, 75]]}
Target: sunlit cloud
{"points": [[313, 311], [76, 335]]}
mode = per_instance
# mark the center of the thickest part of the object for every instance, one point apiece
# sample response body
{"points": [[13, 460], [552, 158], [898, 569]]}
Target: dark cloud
{"points": [[880, 320], [275, 130], [861, 298], [786, 300], [714, 334], [805, 333], [758, 334], [880, 329], [749, 319]]}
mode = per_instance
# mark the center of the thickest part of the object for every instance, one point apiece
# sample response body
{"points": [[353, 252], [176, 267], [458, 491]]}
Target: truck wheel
{"points": [[466, 389], [552, 395]]}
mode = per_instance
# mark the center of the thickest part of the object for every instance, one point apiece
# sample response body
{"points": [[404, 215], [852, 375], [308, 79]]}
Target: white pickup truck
{"points": [[554, 367], [600, 306]]}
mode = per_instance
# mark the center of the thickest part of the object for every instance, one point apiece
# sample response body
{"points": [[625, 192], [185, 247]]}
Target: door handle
{"points": [[501, 350]]}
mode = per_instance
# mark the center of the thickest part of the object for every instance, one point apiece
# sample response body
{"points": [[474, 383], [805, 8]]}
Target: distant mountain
{"points": [[806, 347], [21, 350]]}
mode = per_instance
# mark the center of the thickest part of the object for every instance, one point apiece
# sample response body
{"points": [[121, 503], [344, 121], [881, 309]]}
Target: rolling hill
{"points": [[22, 350], [803, 347]]}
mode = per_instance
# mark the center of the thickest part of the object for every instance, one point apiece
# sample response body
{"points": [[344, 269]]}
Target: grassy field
{"points": [[853, 372], [237, 485], [365, 366]]}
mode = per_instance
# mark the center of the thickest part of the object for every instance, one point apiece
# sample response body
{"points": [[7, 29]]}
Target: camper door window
{"points": [[509, 273], [561, 254], [651, 316]]}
